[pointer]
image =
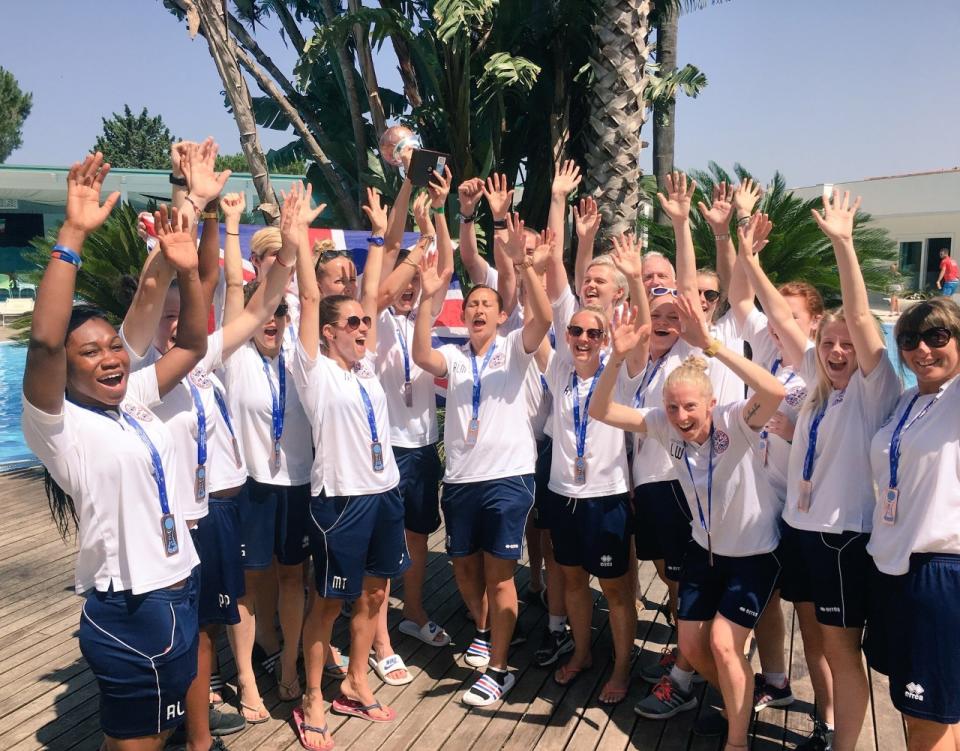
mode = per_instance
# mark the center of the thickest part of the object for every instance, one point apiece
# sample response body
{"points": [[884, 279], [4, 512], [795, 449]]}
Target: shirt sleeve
{"points": [[142, 386], [516, 350], [137, 361], [754, 327], [808, 367], [655, 420], [493, 276], [881, 389], [213, 360]]}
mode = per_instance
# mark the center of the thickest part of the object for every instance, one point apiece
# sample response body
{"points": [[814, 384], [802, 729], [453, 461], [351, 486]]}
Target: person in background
{"points": [[949, 274]]}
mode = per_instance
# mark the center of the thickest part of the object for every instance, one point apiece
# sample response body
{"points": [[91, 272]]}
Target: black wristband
{"points": [[181, 181], [499, 223], [468, 218]]}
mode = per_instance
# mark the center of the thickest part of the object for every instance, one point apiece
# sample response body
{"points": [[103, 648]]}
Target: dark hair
{"points": [[476, 287], [249, 289], [330, 312], [936, 312]]}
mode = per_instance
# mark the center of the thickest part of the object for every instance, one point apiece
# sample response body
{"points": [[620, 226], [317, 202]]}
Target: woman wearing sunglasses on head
{"points": [[851, 387], [112, 470], [356, 512], [915, 541]]}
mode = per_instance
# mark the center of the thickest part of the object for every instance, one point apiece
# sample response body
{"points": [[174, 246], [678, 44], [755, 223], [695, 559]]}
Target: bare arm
{"points": [[586, 220], [718, 217], [233, 205], [469, 193], [422, 351], [564, 183], [742, 290], [143, 316], [676, 205], [538, 315], [627, 259], [393, 233]]}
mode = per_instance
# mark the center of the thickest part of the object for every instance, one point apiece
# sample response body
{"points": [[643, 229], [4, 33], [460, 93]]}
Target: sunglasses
{"points": [[577, 331], [661, 291], [710, 295], [352, 323], [933, 338], [329, 255], [281, 311]]}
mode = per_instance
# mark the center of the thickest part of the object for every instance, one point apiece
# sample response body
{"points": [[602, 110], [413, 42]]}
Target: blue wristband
{"points": [[374, 240], [63, 253]]}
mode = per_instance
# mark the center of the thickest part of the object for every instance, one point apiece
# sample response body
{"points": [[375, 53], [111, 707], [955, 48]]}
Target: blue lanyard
{"points": [[406, 353], [371, 419], [704, 522], [776, 366], [580, 428], [901, 428], [641, 398], [476, 376], [201, 424], [279, 404], [812, 441], [224, 413]]}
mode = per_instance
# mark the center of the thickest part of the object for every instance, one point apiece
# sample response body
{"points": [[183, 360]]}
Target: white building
{"points": [[921, 212]]}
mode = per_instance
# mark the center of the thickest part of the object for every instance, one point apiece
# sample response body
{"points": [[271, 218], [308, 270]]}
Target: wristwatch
{"points": [[499, 223], [181, 181], [468, 218], [375, 240], [711, 349]]}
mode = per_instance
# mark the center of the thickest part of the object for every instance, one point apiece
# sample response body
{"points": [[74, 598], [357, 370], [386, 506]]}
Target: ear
{"points": [[327, 333], [713, 403], [501, 317]]}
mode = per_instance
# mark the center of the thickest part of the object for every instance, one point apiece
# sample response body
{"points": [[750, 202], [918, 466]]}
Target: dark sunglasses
{"points": [[710, 295], [281, 311], [661, 291], [933, 338], [577, 331], [329, 255], [352, 323]]}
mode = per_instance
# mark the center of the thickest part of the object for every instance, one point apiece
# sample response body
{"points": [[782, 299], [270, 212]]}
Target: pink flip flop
{"points": [[346, 706], [303, 727]]}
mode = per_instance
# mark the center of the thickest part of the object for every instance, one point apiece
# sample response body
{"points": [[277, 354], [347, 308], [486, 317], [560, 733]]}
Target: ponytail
{"points": [[62, 508]]}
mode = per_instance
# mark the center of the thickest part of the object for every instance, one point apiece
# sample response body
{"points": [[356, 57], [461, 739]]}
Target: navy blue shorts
{"points": [[593, 533], [420, 475], [217, 540], [795, 583], [143, 651], [489, 515], [912, 636], [542, 496], [839, 569], [662, 524], [736, 588], [356, 536], [273, 522]]}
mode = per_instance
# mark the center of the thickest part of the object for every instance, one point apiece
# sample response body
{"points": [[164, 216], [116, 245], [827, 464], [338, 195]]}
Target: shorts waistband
{"points": [[918, 559], [170, 593]]}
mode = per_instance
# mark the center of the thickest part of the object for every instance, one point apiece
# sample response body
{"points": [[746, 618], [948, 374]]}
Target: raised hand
{"points": [[233, 205], [676, 203], [721, 207], [626, 332], [693, 326], [781, 425], [84, 212], [431, 283], [469, 194], [197, 162], [421, 214], [626, 256], [566, 180], [586, 218], [290, 214], [746, 233], [439, 187], [836, 221], [498, 197], [745, 197], [516, 242], [178, 243], [761, 232], [376, 211], [177, 150]]}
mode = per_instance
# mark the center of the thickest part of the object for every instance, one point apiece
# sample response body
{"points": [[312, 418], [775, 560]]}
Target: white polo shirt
{"points": [[339, 419], [604, 450], [410, 427], [727, 385], [842, 496], [101, 462], [515, 319], [505, 444], [251, 405], [928, 478], [745, 514]]}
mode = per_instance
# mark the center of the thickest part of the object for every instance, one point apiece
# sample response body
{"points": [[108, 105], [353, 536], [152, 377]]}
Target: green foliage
{"points": [[659, 89], [797, 249], [15, 106], [135, 141], [238, 163]]}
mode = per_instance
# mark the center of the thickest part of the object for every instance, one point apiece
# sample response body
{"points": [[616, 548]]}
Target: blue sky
{"points": [[821, 90]]}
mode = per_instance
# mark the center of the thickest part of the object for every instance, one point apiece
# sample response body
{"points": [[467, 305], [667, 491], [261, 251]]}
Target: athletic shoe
{"points": [[654, 672], [225, 723], [665, 701], [767, 695], [821, 740], [710, 724], [554, 644]]}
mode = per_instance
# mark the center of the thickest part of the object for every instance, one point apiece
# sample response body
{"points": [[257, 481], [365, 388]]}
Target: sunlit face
{"points": [[346, 339], [166, 335], [269, 337], [933, 366], [689, 410], [262, 263], [338, 276], [658, 272], [708, 286], [837, 354], [805, 319], [408, 298], [97, 364], [599, 287], [587, 345], [482, 314], [664, 324]]}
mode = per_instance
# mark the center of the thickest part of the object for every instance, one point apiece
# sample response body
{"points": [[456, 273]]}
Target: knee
{"points": [[694, 649], [723, 649], [290, 576], [374, 598], [618, 593]]}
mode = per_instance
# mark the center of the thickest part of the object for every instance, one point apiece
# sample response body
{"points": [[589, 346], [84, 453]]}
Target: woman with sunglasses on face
{"points": [[112, 470], [356, 512], [915, 543], [851, 387]]}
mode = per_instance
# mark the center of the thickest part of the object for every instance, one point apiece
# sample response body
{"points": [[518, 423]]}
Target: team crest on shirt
{"points": [[796, 396], [362, 369], [199, 378], [138, 413], [721, 441], [498, 360]]}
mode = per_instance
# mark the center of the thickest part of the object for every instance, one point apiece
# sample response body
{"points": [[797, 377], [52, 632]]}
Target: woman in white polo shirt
{"points": [[138, 631], [915, 541]]}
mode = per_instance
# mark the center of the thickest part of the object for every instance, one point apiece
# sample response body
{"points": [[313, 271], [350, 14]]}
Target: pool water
{"points": [[906, 375]]}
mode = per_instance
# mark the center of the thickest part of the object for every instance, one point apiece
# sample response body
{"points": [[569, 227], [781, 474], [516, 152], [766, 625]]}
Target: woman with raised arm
{"points": [[730, 569], [356, 512], [488, 484], [138, 629], [852, 387]]}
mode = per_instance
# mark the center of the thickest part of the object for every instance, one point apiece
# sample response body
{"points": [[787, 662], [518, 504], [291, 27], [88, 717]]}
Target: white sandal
{"points": [[427, 633], [388, 665]]}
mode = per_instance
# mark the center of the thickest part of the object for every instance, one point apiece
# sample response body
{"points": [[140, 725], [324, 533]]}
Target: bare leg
{"points": [[502, 594], [556, 601], [147, 743], [925, 735], [242, 638], [413, 579], [198, 695], [623, 626], [382, 646], [771, 633], [291, 602], [727, 642], [579, 606], [534, 555], [266, 608], [694, 642], [820, 677], [842, 649], [363, 626], [316, 640], [468, 571]]}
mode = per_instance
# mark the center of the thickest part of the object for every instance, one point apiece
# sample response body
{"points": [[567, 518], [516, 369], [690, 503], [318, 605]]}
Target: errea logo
{"points": [[606, 561], [914, 691]]}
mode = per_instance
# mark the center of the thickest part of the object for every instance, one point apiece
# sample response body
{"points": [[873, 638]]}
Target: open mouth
{"points": [[662, 332], [407, 297], [478, 323], [836, 367], [270, 331], [591, 293], [111, 381], [686, 427], [361, 341]]}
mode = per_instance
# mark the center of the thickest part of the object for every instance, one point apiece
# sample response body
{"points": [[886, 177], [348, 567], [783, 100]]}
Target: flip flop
{"points": [[388, 665], [250, 708], [616, 695], [303, 727], [566, 675], [427, 633], [353, 708], [337, 669]]}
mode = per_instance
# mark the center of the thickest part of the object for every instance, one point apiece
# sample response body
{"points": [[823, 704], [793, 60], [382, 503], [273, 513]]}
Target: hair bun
{"points": [[695, 363]]}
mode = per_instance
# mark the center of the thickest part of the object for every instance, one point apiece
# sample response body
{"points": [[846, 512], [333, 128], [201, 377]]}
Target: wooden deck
{"points": [[48, 697]]}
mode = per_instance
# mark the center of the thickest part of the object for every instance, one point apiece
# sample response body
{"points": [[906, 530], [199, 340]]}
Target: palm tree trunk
{"points": [[664, 123], [408, 74], [618, 111], [368, 72]]}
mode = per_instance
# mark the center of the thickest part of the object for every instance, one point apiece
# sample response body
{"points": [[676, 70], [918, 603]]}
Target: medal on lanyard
{"points": [[225, 414], [805, 486], [705, 522], [279, 406], [376, 449], [892, 494], [407, 385], [200, 476], [473, 427], [580, 427]]}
